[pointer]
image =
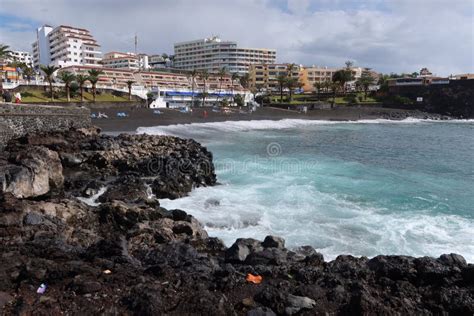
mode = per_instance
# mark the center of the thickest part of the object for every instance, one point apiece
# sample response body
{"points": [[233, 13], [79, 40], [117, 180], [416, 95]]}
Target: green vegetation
{"points": [[38, 96], [48, 72]]}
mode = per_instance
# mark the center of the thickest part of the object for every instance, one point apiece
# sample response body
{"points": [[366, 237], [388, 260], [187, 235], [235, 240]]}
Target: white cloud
{"points": [[398, 35]]}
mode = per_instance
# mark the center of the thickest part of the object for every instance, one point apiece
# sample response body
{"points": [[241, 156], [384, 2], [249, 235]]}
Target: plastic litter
{"points": [[41, 289], [256, 279], [107, 271]]}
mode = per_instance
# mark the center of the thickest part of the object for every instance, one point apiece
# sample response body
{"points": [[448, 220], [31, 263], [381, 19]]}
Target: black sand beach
{"points": [[140, 117]]}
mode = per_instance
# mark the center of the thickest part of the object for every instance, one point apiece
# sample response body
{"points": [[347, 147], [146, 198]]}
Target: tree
{"points": [[81, 80], [327, 85], [129, 85], [244, 81], [5, 52], [49, 73], [290, 69], [365, 81], [28, 72], [341, 77], [204, 75], [239, 100], [67, 77], [282, 81], [334, 87], [234, 77], [193, 74], [292, 84], [222, 72], [318, 86], [93, 79]]}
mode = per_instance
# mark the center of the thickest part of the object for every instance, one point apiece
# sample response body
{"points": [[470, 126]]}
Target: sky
{"points": [[385, 35]]}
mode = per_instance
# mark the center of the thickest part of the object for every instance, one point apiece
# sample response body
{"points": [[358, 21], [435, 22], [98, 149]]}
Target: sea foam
{"points": [[239, 126]]}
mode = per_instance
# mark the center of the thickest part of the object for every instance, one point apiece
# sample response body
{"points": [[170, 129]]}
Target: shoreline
{"points": [[140, 117], [129, 255]]}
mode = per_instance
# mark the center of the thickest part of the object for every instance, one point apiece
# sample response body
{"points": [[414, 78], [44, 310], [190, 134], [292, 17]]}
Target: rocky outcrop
{"points": [[122, 254]]}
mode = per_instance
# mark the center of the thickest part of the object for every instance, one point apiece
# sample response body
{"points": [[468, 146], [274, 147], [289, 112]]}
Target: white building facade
{"points": [[22, 57], [64, 46], [213, 54]]}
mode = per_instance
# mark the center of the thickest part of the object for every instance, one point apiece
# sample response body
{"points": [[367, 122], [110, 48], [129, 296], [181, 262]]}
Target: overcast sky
{"points": [[388, 36]]}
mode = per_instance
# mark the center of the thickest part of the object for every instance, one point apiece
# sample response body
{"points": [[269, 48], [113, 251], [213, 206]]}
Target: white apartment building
{"points": [[22, 57], [129, 61], [213, 54], [64, 46], [121, 61]]}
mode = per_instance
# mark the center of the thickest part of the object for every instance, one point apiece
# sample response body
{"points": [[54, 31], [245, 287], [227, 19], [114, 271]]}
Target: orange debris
{"points": [[257, 279]]}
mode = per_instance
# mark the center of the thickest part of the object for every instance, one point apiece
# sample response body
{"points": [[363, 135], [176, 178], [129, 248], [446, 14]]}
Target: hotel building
{"points": [[213, 54], [121, 61], [22, 57], [170, 89], [265, 75], [64, 46]]}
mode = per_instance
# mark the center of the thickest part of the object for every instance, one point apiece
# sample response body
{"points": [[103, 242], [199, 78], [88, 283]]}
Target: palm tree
{"points": [[28, 72], [318, 86], [234, 77], [49, 73], [204, 75], [81, 80], [67, 77], [334, 87], [327, 85], [193, 74], [129, 85], [365, 81], [282, 80], [4, 53], [222, 72], [244, 81], [290, 69], [291, 84], [341, 77], [94, 78]]}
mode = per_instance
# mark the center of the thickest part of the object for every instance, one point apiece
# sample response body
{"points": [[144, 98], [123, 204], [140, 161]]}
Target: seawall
{"points": [[17, 120]]}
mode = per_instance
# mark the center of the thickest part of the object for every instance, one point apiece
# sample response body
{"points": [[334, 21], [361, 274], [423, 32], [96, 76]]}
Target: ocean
{"points": [[362, 188]]}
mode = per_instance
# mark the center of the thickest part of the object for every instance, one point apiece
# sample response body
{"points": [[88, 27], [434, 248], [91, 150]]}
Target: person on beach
{"points": [[204, 114], [17, 97], [7, 97]]}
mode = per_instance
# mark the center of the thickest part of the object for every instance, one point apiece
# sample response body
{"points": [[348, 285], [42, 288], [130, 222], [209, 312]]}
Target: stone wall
{"points": [[18, 120]]}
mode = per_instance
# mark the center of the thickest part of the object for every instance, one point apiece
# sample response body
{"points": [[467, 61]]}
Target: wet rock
{"points": [[32, 219], [453, 260], [242, 247], [297, 303], [33, 172], [273, 242]]}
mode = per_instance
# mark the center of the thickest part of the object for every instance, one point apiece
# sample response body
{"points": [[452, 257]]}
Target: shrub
{"points": [[239, 100]]}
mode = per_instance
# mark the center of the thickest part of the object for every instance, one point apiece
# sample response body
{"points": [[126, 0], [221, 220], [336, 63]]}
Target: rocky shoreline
{"points": [[80, 214]]}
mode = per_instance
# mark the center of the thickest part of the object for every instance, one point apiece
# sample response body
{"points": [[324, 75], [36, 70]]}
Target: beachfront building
{"points": [[265, 76], [64, 46], [170, 89], [316, 74], [213, 54], [159, 61], [468, 76], [119, 60], [21, 57]]}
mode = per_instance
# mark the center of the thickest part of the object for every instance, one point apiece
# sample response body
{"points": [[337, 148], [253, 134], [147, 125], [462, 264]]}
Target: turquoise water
{"points": [[365, 188]]}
